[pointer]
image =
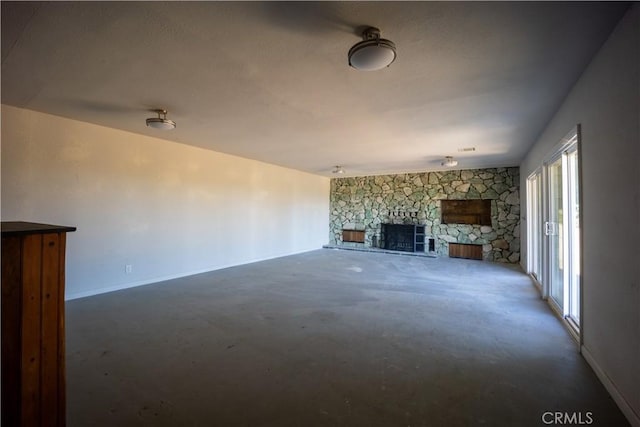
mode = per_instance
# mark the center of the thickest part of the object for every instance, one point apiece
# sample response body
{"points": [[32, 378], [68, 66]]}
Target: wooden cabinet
{"points": [[356, 236], [465, 250], [473, 211], [33, 368]]}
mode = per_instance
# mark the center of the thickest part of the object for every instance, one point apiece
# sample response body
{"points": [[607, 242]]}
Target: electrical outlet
{"points": [[128, 268]]}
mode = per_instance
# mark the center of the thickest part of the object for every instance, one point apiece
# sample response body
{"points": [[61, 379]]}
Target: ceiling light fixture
{"points": [[372, 53], [161, 122], [449, 162], [338, 170]]}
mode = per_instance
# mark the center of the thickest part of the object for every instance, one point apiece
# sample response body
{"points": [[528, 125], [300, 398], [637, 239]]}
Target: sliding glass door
{"points": [[553, 229]]}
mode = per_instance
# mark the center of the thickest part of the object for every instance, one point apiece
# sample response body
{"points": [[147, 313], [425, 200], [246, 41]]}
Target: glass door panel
{"points": [[535, 227], [554, 231], [573, 235]]}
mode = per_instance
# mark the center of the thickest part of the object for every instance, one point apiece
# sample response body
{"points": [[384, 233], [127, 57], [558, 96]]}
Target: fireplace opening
{"points": [[403, 237]]}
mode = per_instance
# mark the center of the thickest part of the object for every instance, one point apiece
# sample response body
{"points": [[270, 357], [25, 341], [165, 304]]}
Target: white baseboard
{"points": [[624, 406], [127, 285]]}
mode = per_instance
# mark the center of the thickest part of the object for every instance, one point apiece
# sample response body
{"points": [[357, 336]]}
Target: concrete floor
{"points": [[328, 338]]}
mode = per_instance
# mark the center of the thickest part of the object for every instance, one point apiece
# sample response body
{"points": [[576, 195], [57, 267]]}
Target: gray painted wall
{"points": [[605, 101], [166, 209]]}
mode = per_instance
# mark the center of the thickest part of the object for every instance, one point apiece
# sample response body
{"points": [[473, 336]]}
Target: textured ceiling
{"points": [[270, 81]]}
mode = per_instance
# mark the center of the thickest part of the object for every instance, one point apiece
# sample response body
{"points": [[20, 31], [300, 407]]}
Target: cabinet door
{"points": [[31, 323], [356, 236], [33, 374], [461, 250], [52, 321], [11, 319]]}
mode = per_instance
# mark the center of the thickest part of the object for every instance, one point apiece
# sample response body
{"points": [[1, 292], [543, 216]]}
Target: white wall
{"points": [[605, 101], [167, 209]]}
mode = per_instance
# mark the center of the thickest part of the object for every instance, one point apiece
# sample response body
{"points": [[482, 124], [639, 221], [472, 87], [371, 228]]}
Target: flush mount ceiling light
{"points": [[161, 122], [372, 53], [338, 170], [449, 162]]}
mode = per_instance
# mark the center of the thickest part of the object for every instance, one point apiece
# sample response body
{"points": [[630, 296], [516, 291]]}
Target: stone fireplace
{"points": [[368, 202]]}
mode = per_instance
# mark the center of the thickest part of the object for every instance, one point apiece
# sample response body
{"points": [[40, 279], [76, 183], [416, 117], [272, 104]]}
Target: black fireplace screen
{"points": [[403, 237]]}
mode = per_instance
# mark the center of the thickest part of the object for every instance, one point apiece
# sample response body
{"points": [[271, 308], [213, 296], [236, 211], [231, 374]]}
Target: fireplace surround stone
{"points": [[415, 198]]}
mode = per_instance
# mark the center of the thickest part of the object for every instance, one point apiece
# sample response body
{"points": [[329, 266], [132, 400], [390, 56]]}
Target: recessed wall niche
{"points": [[416, 198], [474, 211]]}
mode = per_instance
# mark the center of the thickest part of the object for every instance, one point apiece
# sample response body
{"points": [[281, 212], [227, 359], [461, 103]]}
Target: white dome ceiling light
{"points": [[338, 170], [449, 162], [161, 122], [372, 53]]}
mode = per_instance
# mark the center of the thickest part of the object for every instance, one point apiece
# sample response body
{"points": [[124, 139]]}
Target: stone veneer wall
{"points": [[366, 202]]}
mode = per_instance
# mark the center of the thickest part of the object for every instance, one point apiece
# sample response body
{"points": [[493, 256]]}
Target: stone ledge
{"points": [[381, 251]]}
